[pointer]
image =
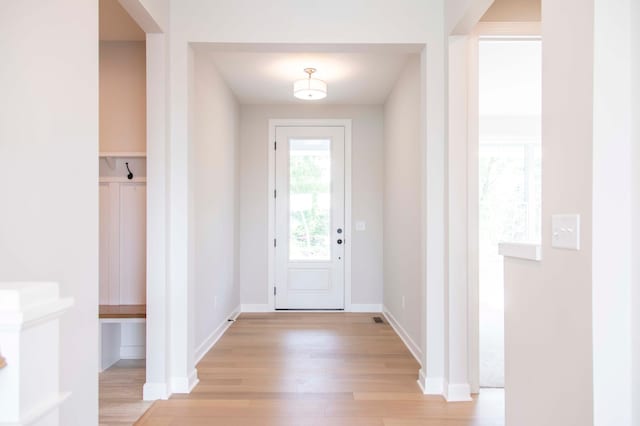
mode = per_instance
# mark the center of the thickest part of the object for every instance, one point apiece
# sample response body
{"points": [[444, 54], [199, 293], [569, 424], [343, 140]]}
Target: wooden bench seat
{"points": [[122, 333], [123, 311]]}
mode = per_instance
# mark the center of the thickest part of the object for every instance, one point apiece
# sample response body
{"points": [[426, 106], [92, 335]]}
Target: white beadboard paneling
{"points": [[105, 243], [132, 243], [122, 242]]}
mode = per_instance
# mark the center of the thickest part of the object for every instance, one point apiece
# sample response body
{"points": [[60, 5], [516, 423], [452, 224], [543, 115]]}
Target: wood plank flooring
{"points": [[311, 369], [121, 393]]}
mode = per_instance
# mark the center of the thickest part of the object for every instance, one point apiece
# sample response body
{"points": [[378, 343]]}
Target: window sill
{"points": [[527, 251]]}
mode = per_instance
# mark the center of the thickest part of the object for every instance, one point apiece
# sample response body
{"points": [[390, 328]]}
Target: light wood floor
{"points": [[121, 393], [312, 369]]}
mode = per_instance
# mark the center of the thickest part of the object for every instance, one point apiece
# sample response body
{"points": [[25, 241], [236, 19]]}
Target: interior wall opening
{"points": [[122, 213], [509, 167], [235, 91]]}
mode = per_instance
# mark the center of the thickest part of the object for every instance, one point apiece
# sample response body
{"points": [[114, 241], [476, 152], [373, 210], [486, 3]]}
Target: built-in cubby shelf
{"points": [[110, 157]]}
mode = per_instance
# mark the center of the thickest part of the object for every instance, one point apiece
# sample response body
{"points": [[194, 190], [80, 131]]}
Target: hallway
{"points": [[314, 369]]}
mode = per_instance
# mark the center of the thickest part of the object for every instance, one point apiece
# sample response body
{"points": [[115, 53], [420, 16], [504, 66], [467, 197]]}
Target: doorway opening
{"points": [[123, 212], [509, 178]]}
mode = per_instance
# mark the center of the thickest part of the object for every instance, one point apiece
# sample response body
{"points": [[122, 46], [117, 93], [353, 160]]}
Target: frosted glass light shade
{"points": [[310, 89]]}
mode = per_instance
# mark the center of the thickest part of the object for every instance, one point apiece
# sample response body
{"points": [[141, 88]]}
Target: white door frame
{"points": [[271, 272]]}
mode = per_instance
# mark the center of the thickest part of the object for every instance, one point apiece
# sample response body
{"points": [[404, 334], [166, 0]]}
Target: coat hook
{"points": [[130, 175]]}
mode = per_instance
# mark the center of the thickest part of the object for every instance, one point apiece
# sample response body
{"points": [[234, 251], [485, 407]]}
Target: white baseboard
{"points": [[404, 336], [46, 411], [421, 380], [357, 307], [105, 364], [153, 391], [257, 307], [366, 307], [433, 385], [458, 392], [206, 346], [184, 384], [133, 352]]}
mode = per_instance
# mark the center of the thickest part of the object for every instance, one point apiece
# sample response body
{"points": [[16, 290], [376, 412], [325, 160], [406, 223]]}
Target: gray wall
{"points": [[548, 304], [403, 258], [213, 198], [367, 186]]}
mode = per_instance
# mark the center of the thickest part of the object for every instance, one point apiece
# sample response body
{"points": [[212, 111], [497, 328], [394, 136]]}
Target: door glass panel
{"points": [[309, 199]]}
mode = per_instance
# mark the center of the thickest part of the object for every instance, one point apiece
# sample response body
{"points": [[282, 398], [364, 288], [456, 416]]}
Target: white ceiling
{"points": [[354, 76], [116, 24]]}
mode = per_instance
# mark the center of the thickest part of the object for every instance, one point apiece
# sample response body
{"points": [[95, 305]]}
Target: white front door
{"points": [[309, 218]]}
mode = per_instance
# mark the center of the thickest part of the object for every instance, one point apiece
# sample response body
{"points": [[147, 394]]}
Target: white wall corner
{"points": [[366, 307], [255, 307], [185, 384], [213, 338], [459, 392], [404, 336], [153, 391]]}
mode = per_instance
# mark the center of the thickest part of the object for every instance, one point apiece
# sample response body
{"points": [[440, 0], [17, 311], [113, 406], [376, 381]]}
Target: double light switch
{"points": [[565, 231]]}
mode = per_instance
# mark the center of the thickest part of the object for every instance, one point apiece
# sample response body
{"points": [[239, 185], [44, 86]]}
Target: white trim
{"points": [[289, 311], [206, 346], [273, 123], [347, 213], [432, 385], [42, 409], [473, 214], [153, 391], [404, 336], [366, 307], [527, 251], [185, 384], [34, 314], [107, 365], [458, 392], [132, 352], [422, 380], [255, 307]]}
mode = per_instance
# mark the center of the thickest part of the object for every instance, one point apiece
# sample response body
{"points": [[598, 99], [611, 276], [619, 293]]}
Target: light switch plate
{"points": [[361, 225], [565, 231]]}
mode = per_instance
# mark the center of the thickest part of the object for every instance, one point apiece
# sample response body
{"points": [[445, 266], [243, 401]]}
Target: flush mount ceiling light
{"points": [[310, 88]]}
